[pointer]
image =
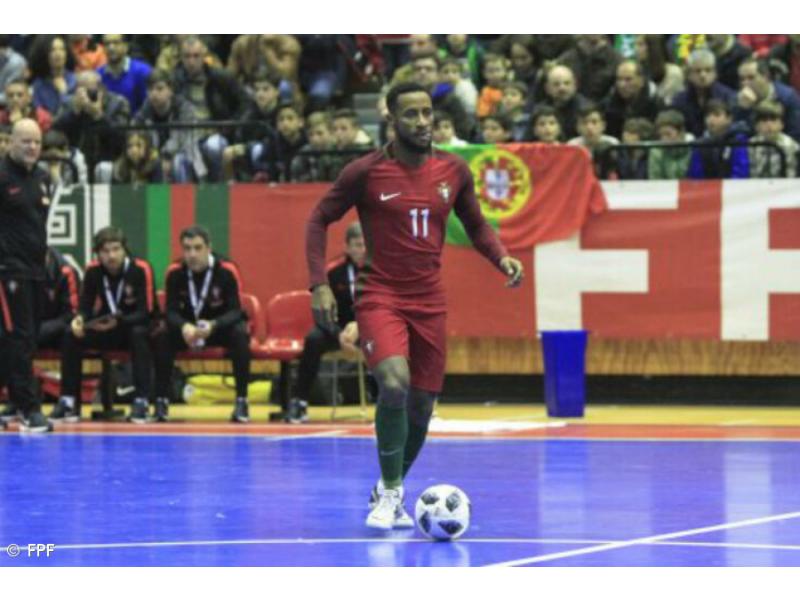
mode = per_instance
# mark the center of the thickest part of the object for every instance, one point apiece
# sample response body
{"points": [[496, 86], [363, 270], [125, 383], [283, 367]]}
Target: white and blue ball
{"points": [[442, 512]]}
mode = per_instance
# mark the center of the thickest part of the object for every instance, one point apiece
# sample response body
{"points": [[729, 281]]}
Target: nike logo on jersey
{"points": [[385, 197]]}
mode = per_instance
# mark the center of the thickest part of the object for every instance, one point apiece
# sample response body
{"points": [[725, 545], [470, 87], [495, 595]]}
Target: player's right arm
{"points": [[346, 190]]}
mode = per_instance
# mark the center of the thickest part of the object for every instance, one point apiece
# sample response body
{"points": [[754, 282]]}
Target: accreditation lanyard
{"points": [[113, 299], [351, 277], [198, 303]]}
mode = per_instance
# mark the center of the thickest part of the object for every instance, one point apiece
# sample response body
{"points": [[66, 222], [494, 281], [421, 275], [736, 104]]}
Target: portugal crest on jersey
{"points": [[444, 191], [502, 182]]}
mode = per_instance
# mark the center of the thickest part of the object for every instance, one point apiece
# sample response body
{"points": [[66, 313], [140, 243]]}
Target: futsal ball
{"points": [[442, 512]]}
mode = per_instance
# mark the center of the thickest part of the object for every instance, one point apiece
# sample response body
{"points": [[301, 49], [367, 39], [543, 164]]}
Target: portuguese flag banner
{"points": [[530, 193]]}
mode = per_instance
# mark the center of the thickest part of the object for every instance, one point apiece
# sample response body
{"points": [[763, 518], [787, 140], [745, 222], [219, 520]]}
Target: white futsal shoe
{"points": [[382, 516], [402, 520]]}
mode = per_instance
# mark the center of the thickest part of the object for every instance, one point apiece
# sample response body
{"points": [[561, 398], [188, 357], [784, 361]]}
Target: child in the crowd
{"points": [[765, 161], [65, 164], [545, 126], [670, 163], [512, 104], [451, 73], [496, 69], [592, 128], [496, 129], [315, 162], [139, 163], [720, 157], [279, 151], [631, 163], [444, 132], [260, 124], [347, 131]]}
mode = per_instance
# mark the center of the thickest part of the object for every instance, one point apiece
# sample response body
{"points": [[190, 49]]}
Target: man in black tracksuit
{"points": [[204, 309], [24, 204], [62, 286], [58, 305], [342, 279], [115, 310]]}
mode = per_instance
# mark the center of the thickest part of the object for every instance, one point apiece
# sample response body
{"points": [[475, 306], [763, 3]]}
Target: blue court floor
{"points": [[234, 500]]}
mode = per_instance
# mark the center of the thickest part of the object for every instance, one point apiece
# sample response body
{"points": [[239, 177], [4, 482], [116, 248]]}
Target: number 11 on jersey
{"points": [[419, 221]]}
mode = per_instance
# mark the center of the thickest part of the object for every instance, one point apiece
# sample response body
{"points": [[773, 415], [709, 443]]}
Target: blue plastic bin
{"points": [[564, 372]]}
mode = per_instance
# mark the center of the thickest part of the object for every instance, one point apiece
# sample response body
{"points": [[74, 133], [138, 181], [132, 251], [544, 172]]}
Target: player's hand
{"points": [[189, 333], [323, 305], [79, 100], [348, 338], [204, 329], [77, 327], [747, 98], [513, 268]]}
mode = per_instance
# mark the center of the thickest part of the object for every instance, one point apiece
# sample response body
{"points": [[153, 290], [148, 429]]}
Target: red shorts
{"points": [[416, 332]]}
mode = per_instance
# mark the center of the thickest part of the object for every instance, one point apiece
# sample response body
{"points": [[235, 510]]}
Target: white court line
{"points": [[733, 545], [406, 540], [644, 540], [302, 436], [144, 434]]}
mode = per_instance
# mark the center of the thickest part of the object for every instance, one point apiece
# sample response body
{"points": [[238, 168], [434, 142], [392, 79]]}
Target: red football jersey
{"points": [[403, 212]]}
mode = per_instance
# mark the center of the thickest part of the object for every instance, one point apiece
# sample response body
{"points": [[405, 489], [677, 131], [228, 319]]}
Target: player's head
{"points": [[26, 143], [196, 247], [110, 245], [354, 243], [411, 115]]}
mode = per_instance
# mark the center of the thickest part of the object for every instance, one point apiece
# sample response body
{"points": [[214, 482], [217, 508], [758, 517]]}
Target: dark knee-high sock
{"points": [[391, 428], [419, 418]]}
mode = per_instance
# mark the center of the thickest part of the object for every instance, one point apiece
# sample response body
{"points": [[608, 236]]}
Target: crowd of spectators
{"points": [[280, 108]]}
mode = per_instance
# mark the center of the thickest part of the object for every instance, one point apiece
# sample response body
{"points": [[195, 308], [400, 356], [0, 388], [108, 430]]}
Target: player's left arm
{"points": [[481, 234]]}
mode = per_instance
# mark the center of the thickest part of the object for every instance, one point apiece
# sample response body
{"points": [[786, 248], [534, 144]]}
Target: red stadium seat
{"points": [[288, 321]]}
